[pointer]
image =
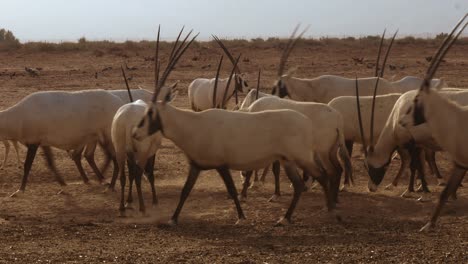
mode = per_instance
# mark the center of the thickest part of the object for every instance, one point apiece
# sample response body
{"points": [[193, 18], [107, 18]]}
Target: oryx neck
{"points": [[384, 147], [178, 125]]}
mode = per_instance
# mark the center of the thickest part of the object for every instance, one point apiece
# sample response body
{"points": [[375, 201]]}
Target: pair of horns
{"points": [[361, 129], [224, 100], [441, 52], [176, 53], [228, 54], [289, 47]]}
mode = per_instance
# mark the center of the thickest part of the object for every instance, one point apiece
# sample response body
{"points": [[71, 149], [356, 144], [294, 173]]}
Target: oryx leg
{"points": [[89, 156], [30, 155], [49, 157], [405, 159], [276, 173], [120, 160], [431, 161], [136, 172], [131, 179], [149, 171], [245, 185], [231, 188], [76, 157], [349, 146], [264, 173], [192, 177], [18, 160], [453, 183], [298, 184], [7, 150]]}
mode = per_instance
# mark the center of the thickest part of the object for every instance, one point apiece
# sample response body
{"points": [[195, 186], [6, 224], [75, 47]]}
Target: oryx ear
{"points": [[172, 93]]}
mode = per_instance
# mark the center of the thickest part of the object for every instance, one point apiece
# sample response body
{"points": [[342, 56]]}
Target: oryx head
{"points": [[151, 121], [279, 87], [241, 84], [239, 78], [376, 173]]}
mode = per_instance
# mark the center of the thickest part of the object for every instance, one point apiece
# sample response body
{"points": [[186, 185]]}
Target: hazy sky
{"points": [[57, 20]]}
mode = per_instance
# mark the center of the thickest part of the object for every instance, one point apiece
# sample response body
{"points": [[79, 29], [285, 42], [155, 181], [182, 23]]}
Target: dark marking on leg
{"points": [[298, 185], [231, 188], [192, 177], [245, 185], [51, 164], [32, 150], [149, 171], [276, 173]]}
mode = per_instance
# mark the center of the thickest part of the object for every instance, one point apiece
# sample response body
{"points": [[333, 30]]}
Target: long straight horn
{"points": [[176, 42], [375, 93], [378, 54], [358, 107], [177, 55], [126, 84], [226, 51], [156, 67], [442, 51], [387, 53], [289, 47], [216, 82], [258, 84], [224, 102]]}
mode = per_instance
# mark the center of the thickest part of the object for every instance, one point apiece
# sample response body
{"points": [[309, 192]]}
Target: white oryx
{"points": [[396, 137], [440, 115], [139, 155], [213, 139], [325, 88], [58, 121], [328, 123], [201, 90]]}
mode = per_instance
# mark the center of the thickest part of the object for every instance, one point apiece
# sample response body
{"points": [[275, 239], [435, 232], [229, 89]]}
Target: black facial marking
{"points": [[418, 114], [155, 125], [283, 91], [377, 174]]}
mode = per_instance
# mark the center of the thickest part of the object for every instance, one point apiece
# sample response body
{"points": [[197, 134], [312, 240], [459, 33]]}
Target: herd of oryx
{"points": [[314, 130]]}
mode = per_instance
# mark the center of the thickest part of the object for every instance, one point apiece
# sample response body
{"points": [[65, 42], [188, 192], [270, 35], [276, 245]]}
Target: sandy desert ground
{"points": [[41, 226]]}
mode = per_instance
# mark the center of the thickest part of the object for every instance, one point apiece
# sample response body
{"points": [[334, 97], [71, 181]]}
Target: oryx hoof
{"points": [[241, 221], [16, 194], [242, 198], [109, 189], [390, 187], [63, 192], [283, 222], [420, 189], [129, 206], [344, 188], [424, 198], [441, 182], [122, 213], [429, 227], [170, 223], [407, 194], [274, 198]]}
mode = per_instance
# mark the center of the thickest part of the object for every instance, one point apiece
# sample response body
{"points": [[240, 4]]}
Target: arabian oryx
{"points": [[440, 115], [201, 90], [213, 139], [58, 122], [328, 123], [327, 87], [140, 154]]}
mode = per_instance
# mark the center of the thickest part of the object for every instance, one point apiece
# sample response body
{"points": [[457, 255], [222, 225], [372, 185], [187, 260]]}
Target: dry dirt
{"points": [[83, 226]]}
